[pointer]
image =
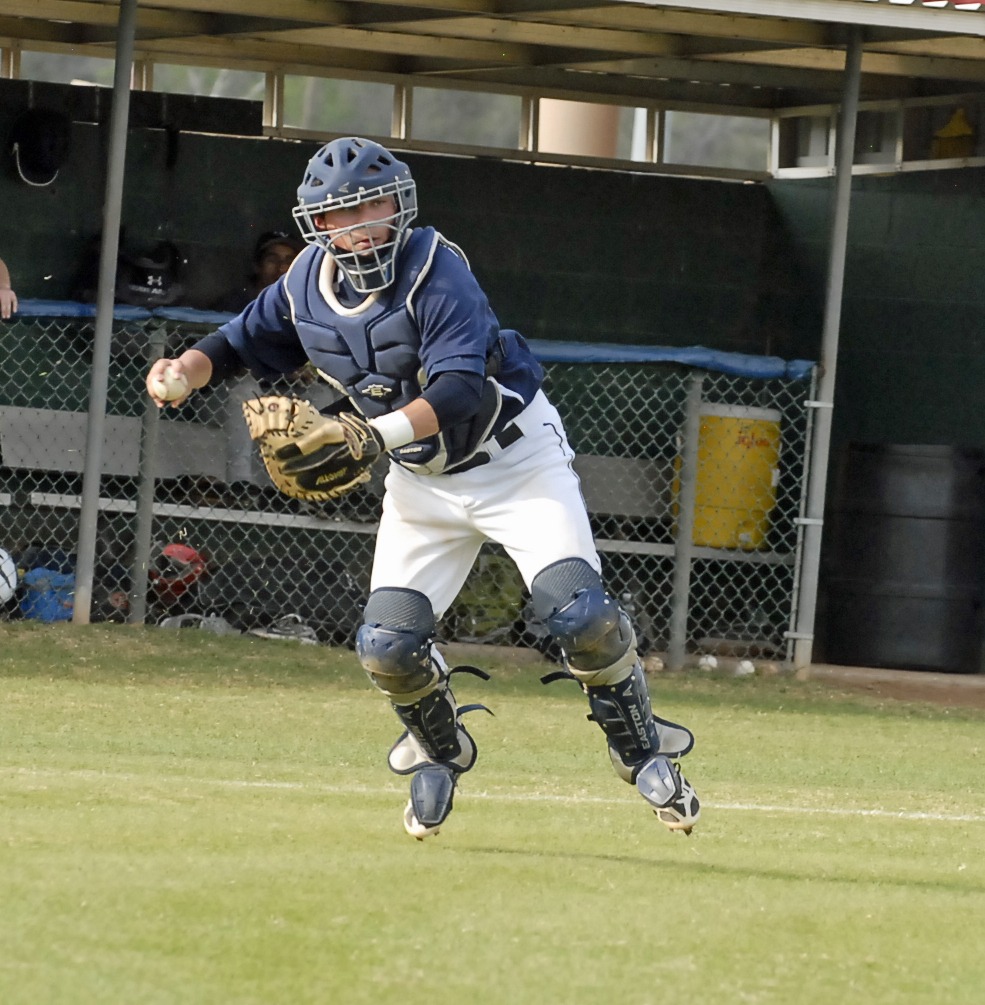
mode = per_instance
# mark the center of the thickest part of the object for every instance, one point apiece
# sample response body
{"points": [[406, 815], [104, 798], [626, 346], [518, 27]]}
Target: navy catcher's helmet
{"points": [[342, 174]]}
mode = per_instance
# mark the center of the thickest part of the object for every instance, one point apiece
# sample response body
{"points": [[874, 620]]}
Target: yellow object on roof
{"points": [[956, 138], [958, 125]]}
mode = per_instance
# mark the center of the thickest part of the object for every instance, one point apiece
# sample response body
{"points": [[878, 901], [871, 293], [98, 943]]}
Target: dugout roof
{"points": [[756, 54]]}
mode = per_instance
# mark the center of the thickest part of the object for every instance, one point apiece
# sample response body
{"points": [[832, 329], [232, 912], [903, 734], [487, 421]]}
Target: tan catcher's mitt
{"points": [[309, 455]]}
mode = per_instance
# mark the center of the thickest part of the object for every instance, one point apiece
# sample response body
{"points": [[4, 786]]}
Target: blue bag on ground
{"points": [[48, 595]]}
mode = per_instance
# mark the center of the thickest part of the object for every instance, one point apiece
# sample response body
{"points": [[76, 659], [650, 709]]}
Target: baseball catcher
{"points": [[309, 455], [393, 318]]}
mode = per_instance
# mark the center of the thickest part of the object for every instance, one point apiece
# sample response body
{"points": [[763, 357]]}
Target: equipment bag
{"points": [[48, 595]]}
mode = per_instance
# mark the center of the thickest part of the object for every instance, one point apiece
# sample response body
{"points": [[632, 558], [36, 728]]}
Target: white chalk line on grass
{"points": [[506, 797]]}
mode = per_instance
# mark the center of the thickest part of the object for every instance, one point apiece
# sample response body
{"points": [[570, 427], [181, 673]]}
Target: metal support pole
{"points": [[687, 495], [89, 510], [144, 524], [821, 442]]}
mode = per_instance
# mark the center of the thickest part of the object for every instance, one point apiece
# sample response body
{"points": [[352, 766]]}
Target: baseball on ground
{"points": [[170, 386]]}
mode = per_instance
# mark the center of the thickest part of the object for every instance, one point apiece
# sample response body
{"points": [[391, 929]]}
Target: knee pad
{"points": [[592, 629], [394, 643]]}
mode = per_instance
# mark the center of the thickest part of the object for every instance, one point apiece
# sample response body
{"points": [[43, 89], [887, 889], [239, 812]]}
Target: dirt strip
{"points": [[955, 689]]}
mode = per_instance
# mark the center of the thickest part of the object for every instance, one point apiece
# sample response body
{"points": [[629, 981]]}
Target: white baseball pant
{"points": [[526, 498]]}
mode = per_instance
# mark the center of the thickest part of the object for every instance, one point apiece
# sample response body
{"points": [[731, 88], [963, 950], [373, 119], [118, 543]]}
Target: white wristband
{"points": [[395, 428]]}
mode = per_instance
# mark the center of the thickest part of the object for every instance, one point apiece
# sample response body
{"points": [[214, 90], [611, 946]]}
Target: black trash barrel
{"points": [[902, 558]]}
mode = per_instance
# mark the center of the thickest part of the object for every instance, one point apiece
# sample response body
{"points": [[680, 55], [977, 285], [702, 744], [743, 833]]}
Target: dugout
{"points": [[777, 265]]}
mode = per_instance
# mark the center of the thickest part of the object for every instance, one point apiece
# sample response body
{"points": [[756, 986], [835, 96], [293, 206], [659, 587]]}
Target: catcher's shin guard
{"points": [[671, 795], [434, 750], [395, 647], [599, 647], [634, 733], [434, 731], [641, 747], [432, 789]]}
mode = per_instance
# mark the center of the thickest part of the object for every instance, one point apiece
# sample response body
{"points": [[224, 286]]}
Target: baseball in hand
{"points": [[170, 385]]}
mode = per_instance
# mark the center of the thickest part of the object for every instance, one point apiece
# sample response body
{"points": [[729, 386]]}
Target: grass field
{"points": [[205, 821]]}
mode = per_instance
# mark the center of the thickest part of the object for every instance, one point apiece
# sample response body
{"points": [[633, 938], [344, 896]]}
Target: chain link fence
{"points": [[694, 480]]}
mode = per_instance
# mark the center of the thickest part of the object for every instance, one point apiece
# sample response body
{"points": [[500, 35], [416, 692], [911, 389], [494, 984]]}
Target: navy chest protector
{"points": [[372, 355]]}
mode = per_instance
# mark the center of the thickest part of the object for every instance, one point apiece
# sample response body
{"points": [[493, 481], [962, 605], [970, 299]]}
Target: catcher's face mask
{"points": [[349, 173]]}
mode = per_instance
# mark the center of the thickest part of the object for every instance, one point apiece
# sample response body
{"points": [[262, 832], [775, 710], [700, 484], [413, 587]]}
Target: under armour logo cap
{"points": [[270, 238], [39, 144]]}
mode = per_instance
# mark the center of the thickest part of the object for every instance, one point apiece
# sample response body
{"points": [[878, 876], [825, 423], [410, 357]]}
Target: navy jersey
{"points": [[381, 352]]}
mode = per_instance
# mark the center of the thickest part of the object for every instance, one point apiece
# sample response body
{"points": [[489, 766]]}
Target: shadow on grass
{"points": [[700, 870]]}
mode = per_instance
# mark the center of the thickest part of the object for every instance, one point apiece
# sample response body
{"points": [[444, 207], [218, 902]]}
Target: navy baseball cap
{"points": [[271, 237]]}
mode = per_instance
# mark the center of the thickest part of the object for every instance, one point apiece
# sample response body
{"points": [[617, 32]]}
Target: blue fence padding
{"points": [[122, 312], [735, 363], [191, 315], [74, 309]]}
